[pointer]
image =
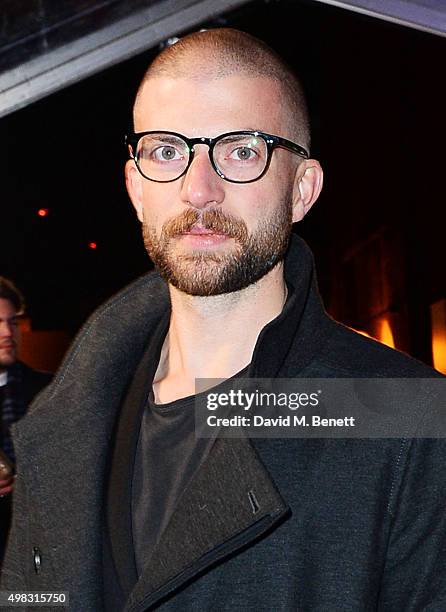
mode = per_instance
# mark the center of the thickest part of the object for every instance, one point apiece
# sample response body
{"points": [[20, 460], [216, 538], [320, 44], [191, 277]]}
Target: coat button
{"points": [[37, 559]]}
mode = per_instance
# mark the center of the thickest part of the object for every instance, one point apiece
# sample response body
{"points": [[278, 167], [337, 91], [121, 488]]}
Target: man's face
{"points": [[206, 235], [9, 334]]}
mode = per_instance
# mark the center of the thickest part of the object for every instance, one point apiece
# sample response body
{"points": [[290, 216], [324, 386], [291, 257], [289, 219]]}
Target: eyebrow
{"points": [[163, 138]]}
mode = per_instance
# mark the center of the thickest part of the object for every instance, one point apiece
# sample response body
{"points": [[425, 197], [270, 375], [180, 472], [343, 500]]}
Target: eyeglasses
{"points": [[237, 157]]}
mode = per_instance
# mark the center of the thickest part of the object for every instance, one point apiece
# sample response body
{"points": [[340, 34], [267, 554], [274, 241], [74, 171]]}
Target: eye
{"points": [[166, 153], [243, 154]]}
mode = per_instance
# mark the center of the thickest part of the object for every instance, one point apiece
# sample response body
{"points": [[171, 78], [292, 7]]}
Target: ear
{"points": [[307, 187], [133, 181]]}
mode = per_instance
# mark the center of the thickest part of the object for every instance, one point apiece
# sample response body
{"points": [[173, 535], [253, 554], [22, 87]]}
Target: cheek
{"points": [[268, 195], [155, 203], [256, 197]]}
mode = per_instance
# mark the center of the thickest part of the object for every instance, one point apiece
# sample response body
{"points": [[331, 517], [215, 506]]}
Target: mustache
{"points": [[212, 220]]}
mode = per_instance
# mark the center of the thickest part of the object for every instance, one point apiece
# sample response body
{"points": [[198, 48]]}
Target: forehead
{"points": [[7, 309], [208, 107]]}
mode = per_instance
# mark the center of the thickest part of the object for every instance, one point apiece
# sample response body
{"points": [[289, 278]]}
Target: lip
{"points": [[199, 237], [198, 230], [7, 346], [205, 240]]}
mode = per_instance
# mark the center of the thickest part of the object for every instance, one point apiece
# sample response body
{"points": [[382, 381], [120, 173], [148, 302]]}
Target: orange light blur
{"points": [[43, 212], [438, 319], [385, 334]]}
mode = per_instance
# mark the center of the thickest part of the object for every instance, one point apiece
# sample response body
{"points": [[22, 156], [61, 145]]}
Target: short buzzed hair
{"points": [[8, 291], [226, 52]]}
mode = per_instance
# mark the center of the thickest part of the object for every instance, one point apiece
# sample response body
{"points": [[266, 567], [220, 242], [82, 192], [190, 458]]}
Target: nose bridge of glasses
{"points": [[193, 142], [192, 146]]}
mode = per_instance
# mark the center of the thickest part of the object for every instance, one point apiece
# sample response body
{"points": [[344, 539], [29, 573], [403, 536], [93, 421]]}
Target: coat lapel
{"points": [[229, 503]]}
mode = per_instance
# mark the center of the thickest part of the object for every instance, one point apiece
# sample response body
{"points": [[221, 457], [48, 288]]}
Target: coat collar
{"points": [[297, 334]]}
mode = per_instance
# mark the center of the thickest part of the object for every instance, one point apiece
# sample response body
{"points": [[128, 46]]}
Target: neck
{"points": [[214, 337]]}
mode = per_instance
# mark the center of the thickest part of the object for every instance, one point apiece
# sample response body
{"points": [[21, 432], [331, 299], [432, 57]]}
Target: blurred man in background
{"points": [[18, 385]]}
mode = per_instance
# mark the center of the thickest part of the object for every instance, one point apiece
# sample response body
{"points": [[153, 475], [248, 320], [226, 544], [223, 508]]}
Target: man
{"points": [[126, 509], [18, 385]]}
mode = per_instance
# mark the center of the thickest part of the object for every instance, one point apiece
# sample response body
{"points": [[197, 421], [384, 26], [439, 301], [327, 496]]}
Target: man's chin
{"points": [[7, 359], [212, 277]]}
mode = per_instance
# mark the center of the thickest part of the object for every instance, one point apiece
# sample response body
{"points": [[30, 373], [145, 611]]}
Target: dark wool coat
{"points": [[337, 525]]}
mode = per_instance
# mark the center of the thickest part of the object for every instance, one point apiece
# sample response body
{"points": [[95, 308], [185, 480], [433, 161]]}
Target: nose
{"points": [[201, 184]]}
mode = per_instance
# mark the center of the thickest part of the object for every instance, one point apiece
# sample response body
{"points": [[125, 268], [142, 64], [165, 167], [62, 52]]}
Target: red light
{"points": [[43, 212], [92, 245]]}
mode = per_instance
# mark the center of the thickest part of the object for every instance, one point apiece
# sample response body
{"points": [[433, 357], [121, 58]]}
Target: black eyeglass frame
{"points": [[272, 142]]}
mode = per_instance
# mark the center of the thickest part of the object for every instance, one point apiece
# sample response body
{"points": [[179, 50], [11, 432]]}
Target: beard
{"points": [[204, 273]]}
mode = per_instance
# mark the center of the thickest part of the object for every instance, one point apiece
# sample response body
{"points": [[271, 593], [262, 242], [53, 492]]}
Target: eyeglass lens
{"points": [[238, 157]]}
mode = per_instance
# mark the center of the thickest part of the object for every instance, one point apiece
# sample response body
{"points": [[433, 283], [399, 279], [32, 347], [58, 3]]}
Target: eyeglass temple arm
{"points": [[291, 146]]}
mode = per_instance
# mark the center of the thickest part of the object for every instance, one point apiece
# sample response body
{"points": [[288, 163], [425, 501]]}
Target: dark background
{"points": [[377, 100]]}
